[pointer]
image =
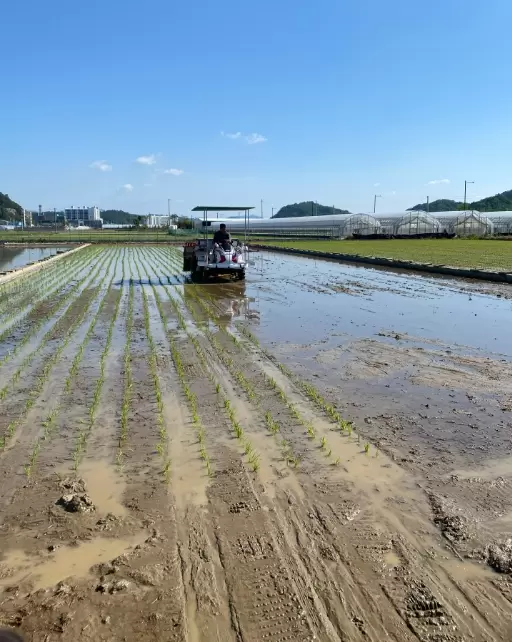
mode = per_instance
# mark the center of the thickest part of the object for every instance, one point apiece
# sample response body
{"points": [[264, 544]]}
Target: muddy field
{"points": [[320, 453]]}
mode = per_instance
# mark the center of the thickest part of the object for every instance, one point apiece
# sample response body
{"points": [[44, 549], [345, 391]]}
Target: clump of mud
{"points": [[75, 500], [499, 556], [454, 526]]}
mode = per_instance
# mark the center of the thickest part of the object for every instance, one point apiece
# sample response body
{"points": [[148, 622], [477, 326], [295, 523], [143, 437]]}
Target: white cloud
{"points": [[146, 160], [250, 139], [148, 184], [128, 187], [393, 193], [440, 181], [232, 136], [174, 172], [102, 165], [376, 184]]}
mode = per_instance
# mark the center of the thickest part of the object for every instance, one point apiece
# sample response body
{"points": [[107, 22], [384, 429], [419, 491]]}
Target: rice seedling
{"points": [[367, 449], [50, 363], [71, 297], [128, 381], [254, 462]]}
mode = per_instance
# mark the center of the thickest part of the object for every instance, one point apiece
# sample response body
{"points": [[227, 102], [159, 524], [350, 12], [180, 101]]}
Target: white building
{"points": [[157, 220], [82, 214]]}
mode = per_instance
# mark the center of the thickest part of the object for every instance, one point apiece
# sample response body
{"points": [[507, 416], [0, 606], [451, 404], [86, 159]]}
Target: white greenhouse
{"points": [[469, 223], [417, 223], [360, 224]]}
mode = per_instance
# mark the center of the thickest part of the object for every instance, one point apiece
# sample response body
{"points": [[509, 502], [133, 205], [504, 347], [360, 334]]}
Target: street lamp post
{"points": [[375, 197], [466, 183]]}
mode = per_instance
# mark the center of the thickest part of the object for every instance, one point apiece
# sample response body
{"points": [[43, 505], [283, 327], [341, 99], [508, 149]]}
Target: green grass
{"points": [[93, 236], [470, 253]]}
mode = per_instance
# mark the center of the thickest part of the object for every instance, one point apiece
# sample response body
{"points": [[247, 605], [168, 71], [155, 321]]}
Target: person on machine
{"points": [[222, 240]]}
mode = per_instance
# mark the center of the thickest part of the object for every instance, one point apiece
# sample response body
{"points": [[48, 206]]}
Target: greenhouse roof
{"points": [[221, 208]]}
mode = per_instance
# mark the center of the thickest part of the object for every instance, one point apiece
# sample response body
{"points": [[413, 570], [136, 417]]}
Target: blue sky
{"points": [[277, 100]]}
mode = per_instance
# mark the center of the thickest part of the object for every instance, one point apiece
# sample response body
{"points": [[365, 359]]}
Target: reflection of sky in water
{"points": [[11, 258], [297, 305]]}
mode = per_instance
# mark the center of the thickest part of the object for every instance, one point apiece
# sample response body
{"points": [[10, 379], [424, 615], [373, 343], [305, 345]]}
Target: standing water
{"points": [[15, 257]]}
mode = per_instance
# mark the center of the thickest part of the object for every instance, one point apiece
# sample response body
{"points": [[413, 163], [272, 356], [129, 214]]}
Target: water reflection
{"points": [[230, 300], [14, 257]]}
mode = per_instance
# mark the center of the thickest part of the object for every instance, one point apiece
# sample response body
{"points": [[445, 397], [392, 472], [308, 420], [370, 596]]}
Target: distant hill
{"points": [[441, 205], [118, 217], [307, 208], [497, 203], [9, 209]]}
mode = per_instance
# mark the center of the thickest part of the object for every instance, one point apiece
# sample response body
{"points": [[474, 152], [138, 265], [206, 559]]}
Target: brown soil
{"points": [[326, 540]]}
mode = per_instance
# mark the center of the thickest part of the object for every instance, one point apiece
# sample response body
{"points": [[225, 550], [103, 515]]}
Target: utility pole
{"points": [[55, 218], [261, 206], [375, 197], [428, 204], [273, 208], [466, 183]]}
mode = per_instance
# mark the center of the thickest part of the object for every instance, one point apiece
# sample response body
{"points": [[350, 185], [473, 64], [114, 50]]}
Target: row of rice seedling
{"points": [[79, 355], [50, 363], [286, 447], [21, 287], [162, 444], [45, 284], [228, 362], [189, 395], [84, 432], [69, 299], [51, 418], [128, 378], [253, 458], [37, 324], [346, 427]]}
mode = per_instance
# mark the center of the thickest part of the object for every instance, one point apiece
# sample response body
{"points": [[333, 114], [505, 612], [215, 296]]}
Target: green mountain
{"points": [[118, 217], [498, 203], [10, 210], [441, 205], [308, 208]]}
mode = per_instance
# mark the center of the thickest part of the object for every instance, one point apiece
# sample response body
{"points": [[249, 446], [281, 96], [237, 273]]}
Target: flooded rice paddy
{"points": [[12, 258], [321, 452]]}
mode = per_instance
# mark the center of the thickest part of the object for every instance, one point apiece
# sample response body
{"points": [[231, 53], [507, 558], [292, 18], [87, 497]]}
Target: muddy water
{"points": [[52, 568], [11, 258], [303, 300], [104, 486]]}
